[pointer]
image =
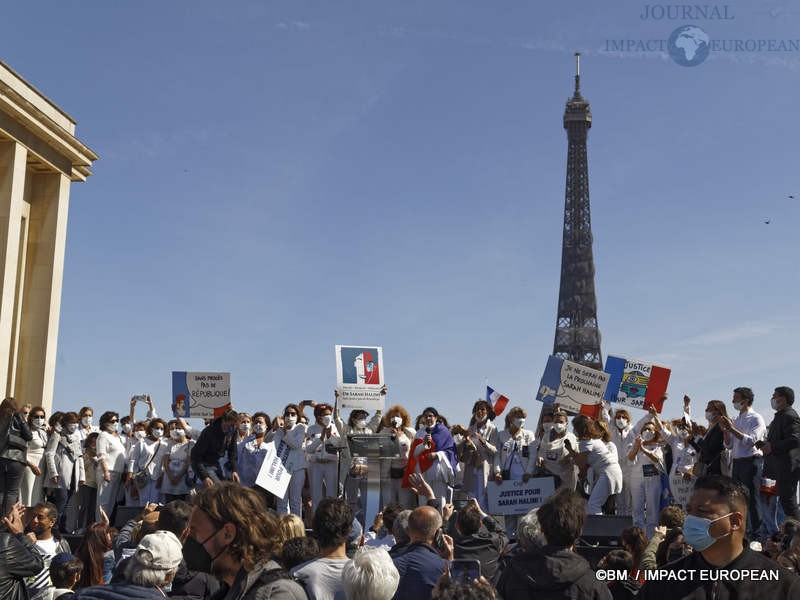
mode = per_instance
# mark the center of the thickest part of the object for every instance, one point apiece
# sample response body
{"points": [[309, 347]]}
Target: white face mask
{"points": [[177, 434], [361, 423], [774, 403], [113, 427], [86, 421], [397, 422], [291, 420], [127, 428], [710, 416], [519, 423], [139, 435], [244, 427], [547, 427], [71, 427], [622, 423], [326, 420], [58, 428], [560, 427], [738, 405], [157, 433], [38, 422], [648, 435], [259, 427]]}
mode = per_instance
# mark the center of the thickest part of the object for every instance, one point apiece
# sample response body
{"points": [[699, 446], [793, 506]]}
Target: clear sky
{"points": [[279, 177]]}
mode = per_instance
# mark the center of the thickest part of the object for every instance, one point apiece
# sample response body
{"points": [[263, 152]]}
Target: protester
{"points": [[144, 469], [217, 441], [289, 431], [14, 437], [421, 565], [31, 484], [355, 475], [400, 534], [782, 450], [43, 519], [225, 540], [322, 577], [711, 443], [396, 422], [684, 455], [65, 466], [371, 575], [634, 540], [715, 529], [244, 427], [323, 466], [65, 570], [551, 450], [477, 451], [18, 556], [110, 464], [647, 466], [86, 420], [433, 453], [178, 479], [618, 561], [622, 436], [478, 537], [593, 452], [740, 436], [252, 450], [95, 550], [380, 534], [298, 550]]}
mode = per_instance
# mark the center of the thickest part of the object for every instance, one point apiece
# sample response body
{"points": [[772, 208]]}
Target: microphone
{"points": [[427, 443]]}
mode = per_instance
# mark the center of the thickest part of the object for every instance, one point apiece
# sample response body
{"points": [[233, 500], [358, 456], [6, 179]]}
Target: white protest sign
{"points": [[275, 475], [576, 388], [202, 395], [359, 378], [515, 497]]}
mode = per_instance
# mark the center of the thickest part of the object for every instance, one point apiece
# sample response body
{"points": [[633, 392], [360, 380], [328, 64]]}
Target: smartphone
{"points": [[438, 540], [449, 495], [463, 569], [460, 499], [140, 398]]}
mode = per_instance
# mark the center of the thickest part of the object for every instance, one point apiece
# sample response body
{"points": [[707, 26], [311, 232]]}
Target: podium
{"points": [[375, 448]]}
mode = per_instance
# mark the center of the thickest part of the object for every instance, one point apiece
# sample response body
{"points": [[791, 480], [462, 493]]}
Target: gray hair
{"points": [[371, 575], [529, 532], [400, 529], [140, 574]]}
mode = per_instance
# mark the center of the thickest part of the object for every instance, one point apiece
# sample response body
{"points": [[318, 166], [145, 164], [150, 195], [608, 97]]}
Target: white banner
{"points": [[275, 473], [359, 378], [515, 497], [200, 395]]}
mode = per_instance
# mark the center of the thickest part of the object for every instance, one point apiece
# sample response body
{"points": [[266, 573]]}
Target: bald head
{"points": [[423, 524]]}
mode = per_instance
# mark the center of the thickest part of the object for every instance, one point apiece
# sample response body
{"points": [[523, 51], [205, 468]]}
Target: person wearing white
{"points": [[323, 466], [551, 450], [86, 420], [110, 464], [747, 461], [65, 469], [292, 434], [147, 456], [434, 453], [647, 460], [176, 463], [477, 451], [595, 453], [244, 428], [396, 422], [515, 456], [684, 456], [252, 451], [30, 486], [371, 575]]}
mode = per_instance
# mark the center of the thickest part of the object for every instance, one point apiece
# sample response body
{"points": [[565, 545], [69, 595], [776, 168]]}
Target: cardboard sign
{"points": [[275, 475], [514, 497], [636, 383], [573, 387], [359, 378], [201, 395]]}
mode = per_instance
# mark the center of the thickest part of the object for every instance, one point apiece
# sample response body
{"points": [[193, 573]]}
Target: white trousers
{"points": [[322, 477], [646, 495], [107, 492], [624, 502], [600, 493], [293, 499], [478, 490]]}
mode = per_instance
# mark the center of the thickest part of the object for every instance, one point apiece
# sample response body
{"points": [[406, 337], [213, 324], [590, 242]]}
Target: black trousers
{"points": [[744, 470], [10, 476], [787, 489]]}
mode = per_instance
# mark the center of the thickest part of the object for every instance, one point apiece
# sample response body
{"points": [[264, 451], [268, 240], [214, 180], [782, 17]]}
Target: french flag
{"points": [[498, 402]]}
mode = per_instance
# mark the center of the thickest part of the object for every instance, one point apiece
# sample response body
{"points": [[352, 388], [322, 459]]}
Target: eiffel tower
{"points": [[577, 335]]}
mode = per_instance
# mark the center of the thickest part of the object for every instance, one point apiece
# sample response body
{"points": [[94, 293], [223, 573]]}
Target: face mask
{"points": [[139, 435], [695, 532], [361, 423], [648, 435], [38, 422], [326, 420], [622, 423], [157, 433], [737, 405], [547, 427], [291, 421], [709, 417], [244, 427], [127, 428], [560, 427], [87, 421], [178, 434], [397, 422], [774, 404], [71, 427], [259, 428], [196, 556], [519, 423]]}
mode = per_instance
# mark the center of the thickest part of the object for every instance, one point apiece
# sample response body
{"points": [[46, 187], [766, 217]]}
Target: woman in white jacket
{"points": [[65, 470], [477, 450], [551, 451], [396, 422], [288, 431], [146, 457], [110, 464], [515, 457], [30, 486], [323, 466]]}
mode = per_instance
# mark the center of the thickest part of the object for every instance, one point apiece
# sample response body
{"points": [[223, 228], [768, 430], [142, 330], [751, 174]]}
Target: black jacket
{"points": [[786, 588], [484, 546], [14, 437], [19, 558], [784, 436], [212, 445], [710, 449], [550, 572], [193, 585]]}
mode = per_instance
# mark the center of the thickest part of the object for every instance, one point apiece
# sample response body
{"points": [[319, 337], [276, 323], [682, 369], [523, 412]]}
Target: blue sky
{"points": [[279, 177]]}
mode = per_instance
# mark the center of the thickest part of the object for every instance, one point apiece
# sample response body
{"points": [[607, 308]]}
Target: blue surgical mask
{"points": [[695, 531]]}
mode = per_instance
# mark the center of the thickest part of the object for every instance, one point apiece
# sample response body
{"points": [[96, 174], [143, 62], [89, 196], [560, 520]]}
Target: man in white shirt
{"points": [[747, 460], [44, 518]]}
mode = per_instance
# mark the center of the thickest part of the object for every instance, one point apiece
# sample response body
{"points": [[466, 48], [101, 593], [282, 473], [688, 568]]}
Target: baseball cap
{"points": [[159, 550]]}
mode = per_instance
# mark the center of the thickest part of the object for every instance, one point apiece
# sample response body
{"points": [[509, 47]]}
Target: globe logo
{"points": [[689, 45]]}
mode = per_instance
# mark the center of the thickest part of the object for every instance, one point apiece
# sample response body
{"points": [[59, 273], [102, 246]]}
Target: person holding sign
{"points": [[433, 452], [647, 460], [681, 477], [623, 435], [515, 457], [551, 450], [593, 452], [322, 465], [289, 432]]}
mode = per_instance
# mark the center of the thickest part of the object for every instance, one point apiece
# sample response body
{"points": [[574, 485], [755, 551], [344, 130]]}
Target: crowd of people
{"points": [[721, 494]]}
